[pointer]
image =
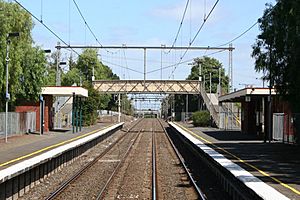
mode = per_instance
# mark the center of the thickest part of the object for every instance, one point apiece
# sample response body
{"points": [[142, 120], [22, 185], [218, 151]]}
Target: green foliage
{"points": [[32, 74], [83, 70], [89, 60], [27, 63], [201, 118], [209, 65], [71, 77], [277, 49], [94, 102]]}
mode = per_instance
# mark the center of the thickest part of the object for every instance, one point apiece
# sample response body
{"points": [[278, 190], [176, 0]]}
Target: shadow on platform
{"points": [[230, 135]]}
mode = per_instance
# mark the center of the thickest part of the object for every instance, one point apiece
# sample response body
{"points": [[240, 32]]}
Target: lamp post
{"points": [[42, 106], [199, 64], [7, 95], [161, 58]]}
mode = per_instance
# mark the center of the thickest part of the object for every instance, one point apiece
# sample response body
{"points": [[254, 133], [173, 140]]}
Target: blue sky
{"points": [[153, 23]]}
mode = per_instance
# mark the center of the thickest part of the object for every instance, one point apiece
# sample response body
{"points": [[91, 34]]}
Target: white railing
{"points": [[210, 106]]}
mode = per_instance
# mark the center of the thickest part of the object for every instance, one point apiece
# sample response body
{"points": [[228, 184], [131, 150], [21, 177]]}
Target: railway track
{"points": [[59, 192], [142, 164]]}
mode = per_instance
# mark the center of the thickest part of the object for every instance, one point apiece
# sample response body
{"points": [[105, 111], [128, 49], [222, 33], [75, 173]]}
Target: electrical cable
{"points": [[196, 35], [122, 66], [126, 64], [169, 66], [49, 29], [243, 33], [179, 28], [88, 26]]}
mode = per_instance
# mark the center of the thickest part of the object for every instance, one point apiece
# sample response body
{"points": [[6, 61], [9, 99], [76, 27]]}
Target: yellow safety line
{"points": [[242, 161], [52, 146]]}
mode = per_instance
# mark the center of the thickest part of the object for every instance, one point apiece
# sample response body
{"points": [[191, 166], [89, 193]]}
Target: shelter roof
{"points": [[64, 91], [240, 95]]}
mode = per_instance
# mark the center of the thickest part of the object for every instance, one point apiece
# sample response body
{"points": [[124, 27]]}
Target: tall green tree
{"points": [[82, 71], [209, 65], [27, 62], [277, 49]]}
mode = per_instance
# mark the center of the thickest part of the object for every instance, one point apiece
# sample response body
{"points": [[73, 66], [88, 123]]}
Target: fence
{"points": [[17, 123], [285, 127], [230, 120]]}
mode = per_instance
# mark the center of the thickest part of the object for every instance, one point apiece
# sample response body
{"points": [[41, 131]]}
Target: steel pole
{"points": [[161, 54], [219, 81], [144, 67], [119, 108], [7, 96], [57, 65], [209, 82], [186, 107]]}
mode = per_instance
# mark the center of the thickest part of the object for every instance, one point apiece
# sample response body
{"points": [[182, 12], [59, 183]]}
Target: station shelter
{"points": [[45, 111], [255, 113]]}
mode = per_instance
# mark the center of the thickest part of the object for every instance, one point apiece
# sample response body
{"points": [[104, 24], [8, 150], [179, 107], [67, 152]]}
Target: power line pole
{"points": [[144, 67], [58, 81]]}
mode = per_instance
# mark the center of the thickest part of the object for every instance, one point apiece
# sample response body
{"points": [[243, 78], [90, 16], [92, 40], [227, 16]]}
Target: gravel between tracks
{"points": [[88, 185], [50, 183], [134, 178], [173, 183]]}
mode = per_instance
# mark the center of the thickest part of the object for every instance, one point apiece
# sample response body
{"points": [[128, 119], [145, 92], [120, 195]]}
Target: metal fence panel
{"points": [[278, 126], [17, 123]]}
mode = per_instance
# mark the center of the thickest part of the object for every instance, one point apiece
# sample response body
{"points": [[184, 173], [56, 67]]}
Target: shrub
{"points": [[201, 118]]}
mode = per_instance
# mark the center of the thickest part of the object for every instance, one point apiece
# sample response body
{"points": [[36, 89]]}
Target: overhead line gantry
{"points": [[145, 48]]}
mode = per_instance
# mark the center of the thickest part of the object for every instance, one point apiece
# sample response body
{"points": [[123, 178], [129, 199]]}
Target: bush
{"points": [[201, 118]]}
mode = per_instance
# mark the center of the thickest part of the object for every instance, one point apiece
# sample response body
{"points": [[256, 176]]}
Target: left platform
{"points": [[20, 148]]}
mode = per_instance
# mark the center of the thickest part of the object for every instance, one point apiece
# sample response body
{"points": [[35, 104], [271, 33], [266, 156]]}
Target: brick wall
{"points": [[35, 107]]}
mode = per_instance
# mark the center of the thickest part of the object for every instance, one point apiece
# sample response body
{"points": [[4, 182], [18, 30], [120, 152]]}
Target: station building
{"points": [[256, 113], [45, 108]]}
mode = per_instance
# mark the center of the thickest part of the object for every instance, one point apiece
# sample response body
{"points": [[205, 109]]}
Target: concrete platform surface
{"points": [[23, 147], [274, 163]]}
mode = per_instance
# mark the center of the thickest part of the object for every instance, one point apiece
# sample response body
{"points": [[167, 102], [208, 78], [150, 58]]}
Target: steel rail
{"points": [[66, 183], [198, 190], [154, 174], [101, 193]]}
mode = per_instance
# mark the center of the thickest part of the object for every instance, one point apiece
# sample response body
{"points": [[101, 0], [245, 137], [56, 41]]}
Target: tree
{"points": [[209, 65], [71, 77], [277, 49], [27, 62], [82, 70]]}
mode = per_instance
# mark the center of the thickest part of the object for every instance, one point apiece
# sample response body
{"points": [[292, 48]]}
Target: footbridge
{"points": [[148, 86], [157, 87]]}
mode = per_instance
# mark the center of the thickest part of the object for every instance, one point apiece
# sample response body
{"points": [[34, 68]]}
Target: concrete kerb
{"points": [[235, 179], [19, 178]]}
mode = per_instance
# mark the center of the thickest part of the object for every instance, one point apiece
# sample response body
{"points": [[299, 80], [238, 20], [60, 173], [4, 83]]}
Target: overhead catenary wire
{"points": [[239, 36], [47, 27], [118, 65], [180, 26], [196, 35], [126, 64], [186, 61], [88, 26], [244, 32]]}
